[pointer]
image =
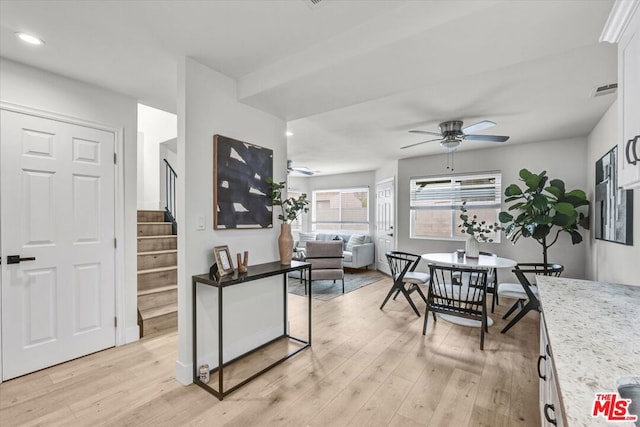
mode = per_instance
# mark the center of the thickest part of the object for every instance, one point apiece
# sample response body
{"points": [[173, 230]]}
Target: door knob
{"points": [[16, 259]]}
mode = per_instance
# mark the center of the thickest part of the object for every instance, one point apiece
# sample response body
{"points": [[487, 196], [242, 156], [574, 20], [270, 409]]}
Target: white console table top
{"points": [[594, 334]]}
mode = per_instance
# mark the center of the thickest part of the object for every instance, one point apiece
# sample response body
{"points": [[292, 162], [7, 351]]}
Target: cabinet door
{"points": [[629, 93]]}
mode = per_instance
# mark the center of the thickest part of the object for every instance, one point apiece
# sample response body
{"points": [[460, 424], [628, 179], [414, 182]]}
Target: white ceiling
{"points": [[351, 77]]}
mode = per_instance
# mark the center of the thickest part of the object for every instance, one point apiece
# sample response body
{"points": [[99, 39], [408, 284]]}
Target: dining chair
{"points": [[492, 282], [525, 292], [459, 292], [405, 279], [326, 261]]}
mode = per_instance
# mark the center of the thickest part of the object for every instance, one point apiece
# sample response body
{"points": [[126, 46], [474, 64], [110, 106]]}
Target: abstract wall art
{"points": [[241, 195], [614, 206]]}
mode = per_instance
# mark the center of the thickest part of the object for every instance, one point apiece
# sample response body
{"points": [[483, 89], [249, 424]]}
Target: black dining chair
{"points": [[459, 292], [525, 292], [405, 279]]}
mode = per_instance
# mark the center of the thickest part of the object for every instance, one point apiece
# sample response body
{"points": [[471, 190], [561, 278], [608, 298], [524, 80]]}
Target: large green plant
{"points": [[540, 209], [290, 207]]}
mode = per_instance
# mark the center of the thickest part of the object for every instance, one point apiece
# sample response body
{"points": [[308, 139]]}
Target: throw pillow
{"points": [[355, 239], [303, 238]]}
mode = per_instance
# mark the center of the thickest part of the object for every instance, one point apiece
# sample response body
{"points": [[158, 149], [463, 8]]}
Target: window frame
{"points": [[449, 197], [340, 224]]}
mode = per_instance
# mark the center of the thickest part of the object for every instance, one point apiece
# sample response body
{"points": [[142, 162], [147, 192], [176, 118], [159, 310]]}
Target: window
{"points": [[435, 203], [341, 210]]}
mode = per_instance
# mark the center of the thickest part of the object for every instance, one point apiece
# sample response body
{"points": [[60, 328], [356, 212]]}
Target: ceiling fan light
{"points": [[450, 145]]}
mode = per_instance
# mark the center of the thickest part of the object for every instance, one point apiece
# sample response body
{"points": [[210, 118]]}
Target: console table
{"points": [[254, 272]]}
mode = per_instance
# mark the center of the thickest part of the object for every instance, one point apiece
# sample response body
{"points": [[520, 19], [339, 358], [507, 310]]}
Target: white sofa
{"points": [[358, 249]]}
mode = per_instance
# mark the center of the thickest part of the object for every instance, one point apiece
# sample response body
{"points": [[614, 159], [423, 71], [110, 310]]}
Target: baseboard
{"points": [[184, 373], [132, 334]]}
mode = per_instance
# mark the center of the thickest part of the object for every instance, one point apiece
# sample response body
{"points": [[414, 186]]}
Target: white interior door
{"points": [[57, 207], [385, 208]]}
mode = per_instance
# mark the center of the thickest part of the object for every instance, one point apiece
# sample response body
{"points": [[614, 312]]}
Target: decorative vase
{"points": [[285, 244], [472, 247]]}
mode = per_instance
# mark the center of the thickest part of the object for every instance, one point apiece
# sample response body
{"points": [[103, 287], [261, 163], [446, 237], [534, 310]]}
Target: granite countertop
{"points": [[594, 334]]}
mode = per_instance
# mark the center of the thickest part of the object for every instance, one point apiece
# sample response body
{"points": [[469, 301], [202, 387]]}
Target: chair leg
{"points": [[393, 289], [426, 318], [512, 309], [406, 295], [531, 305], [343, 286], [417, 288], [396, 295]]}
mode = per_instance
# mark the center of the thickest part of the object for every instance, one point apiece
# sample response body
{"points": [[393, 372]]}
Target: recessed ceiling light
{"points": [[289, 133], [28, 38]]}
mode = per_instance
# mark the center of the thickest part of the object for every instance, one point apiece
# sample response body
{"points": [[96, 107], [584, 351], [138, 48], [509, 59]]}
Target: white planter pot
{"points": [[472, 248]]}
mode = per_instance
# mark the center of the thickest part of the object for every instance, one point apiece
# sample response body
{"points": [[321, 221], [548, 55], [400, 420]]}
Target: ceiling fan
{"points": [[452, 133], [301, 170]]}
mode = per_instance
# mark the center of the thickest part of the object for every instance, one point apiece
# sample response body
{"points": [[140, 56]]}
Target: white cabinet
{"points": [[629, 103], [550, 405], [623, 27]]}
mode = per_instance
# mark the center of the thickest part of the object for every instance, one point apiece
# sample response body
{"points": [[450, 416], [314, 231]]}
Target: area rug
{"points": [[325, 289]]}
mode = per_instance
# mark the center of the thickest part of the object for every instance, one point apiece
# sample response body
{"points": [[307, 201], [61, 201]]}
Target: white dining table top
{"points": [[483, 261]]}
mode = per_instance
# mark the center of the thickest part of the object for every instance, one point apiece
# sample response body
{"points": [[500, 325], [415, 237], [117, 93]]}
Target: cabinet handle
{"points": [[546, 413], [540, 358], [631, 149]]}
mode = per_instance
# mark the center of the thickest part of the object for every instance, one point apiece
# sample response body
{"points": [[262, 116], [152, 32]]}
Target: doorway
{"points": [[385, 225], [57, 236]]}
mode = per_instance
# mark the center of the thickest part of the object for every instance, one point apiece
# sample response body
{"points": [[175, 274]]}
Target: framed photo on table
{"points": [[223, 259]]}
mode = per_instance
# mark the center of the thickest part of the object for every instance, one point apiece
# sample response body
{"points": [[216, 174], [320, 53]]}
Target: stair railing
{"points": [[170, 189]]}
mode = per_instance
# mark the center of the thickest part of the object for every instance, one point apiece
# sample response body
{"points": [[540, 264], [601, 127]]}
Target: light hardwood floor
{"points": [[366, 367]]}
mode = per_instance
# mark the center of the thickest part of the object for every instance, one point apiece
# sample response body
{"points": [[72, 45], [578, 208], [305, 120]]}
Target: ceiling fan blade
{"points": [[485, 124], [495, 138], [303, 171], [418, 143], [425, 132]]}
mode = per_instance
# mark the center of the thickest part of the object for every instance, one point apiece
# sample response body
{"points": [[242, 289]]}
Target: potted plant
{"points": [[478, 231], [540, 209], [290, 209]]}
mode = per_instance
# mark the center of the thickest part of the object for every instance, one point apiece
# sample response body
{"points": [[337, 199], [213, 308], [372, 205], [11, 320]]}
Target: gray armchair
{"points": [[326, 260]]}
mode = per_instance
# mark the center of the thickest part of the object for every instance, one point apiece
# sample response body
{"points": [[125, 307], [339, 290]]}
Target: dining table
{"points": [[458, 259]]}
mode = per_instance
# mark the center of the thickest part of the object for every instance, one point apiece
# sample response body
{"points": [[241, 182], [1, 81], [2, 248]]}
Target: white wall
{"points": [[34, 88], [609, 261], [564, 160], [207, 105], [156, 127]]}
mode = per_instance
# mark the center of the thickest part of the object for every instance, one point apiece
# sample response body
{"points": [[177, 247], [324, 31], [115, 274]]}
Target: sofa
{"points": [[358, 249]]}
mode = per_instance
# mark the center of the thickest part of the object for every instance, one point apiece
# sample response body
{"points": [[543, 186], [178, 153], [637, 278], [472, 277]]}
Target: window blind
{"points": [[478, 190]]}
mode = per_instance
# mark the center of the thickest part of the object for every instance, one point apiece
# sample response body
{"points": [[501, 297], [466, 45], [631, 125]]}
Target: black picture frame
{"points": [[613, 205], [242, 196]]}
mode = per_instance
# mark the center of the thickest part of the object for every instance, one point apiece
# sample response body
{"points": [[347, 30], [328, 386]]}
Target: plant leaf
{"points": [[505, 217], [512, 190]]}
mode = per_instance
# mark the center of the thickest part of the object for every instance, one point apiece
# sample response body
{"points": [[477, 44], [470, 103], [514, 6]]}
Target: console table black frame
{"points": [[254, 272]]}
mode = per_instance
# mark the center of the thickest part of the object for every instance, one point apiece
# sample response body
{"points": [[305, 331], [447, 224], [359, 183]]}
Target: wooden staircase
{"points": [[157, 274]]}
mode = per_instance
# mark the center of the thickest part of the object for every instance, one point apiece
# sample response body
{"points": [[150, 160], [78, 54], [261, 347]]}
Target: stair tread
{"points": [[150, 210], [164, 251], [154, 223], [158, 311], [162, 236], [158, 270], [157, 290]]}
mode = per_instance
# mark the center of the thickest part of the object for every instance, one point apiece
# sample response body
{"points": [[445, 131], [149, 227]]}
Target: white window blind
{"points": [[479, 190], [435, 203]]}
